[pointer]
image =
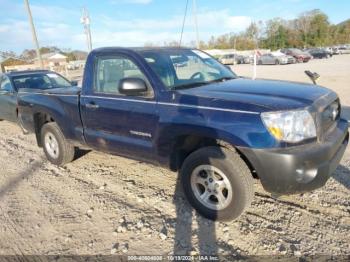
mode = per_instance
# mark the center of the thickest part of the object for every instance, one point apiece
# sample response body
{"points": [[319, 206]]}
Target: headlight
{"points": [[290, 126]]}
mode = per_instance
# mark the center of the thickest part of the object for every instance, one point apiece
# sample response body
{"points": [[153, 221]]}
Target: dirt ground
{"points": [[103, 204]]}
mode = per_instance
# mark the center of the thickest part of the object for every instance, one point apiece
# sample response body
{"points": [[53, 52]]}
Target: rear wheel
{"points": [[217, 183], [57, 149]]}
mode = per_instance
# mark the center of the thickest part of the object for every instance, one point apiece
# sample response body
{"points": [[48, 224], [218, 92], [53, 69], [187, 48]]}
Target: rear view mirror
{"points": [[74, 83], [132, 86]]}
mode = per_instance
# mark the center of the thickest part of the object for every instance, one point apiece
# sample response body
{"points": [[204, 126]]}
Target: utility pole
{"points": [[194, 3], [85, 20], [35, 39]]}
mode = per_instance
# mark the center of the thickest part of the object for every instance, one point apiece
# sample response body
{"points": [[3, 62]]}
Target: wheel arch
{"points": [[184, 145], [40, 119]]}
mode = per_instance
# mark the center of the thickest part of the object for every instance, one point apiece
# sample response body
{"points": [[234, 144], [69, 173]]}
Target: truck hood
{"points": [[255, 95]]}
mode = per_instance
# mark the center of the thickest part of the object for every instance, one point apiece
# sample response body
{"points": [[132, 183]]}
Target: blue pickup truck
{"points": [[182, 109]]}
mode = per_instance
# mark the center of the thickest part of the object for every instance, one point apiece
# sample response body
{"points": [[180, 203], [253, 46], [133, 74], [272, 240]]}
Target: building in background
{"points": [[13, 64], [52, 60]]}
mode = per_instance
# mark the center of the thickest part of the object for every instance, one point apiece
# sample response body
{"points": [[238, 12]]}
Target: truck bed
{"points": [[61, 104]]}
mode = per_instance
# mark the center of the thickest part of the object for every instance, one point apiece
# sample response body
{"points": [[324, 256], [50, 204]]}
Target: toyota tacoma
{"points": [[180, 108]]}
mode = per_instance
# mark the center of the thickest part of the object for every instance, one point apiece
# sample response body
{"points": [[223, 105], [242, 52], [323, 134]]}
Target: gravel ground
{"points": [[103, 204]]}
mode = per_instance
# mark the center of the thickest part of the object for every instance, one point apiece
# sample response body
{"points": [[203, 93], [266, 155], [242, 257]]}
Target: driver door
{"points": [[8, 100], [116, 123]]}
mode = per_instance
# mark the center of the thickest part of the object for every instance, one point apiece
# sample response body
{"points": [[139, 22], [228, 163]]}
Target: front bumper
{"points": [[300, 168]]}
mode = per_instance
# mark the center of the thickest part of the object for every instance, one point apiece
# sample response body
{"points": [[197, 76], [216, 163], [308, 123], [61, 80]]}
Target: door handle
{"points": [[92, 106]]}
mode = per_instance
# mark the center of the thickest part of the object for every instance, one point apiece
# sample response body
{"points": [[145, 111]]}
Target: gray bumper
{"points": [[301, 168]]}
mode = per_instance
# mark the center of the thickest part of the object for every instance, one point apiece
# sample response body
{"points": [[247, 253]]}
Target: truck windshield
{"points": [[40, 81], [185, 68]]}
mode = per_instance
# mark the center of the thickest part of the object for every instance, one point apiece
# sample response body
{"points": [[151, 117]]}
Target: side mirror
{"points": [[313, 76], [132, 86], [74, 83]]}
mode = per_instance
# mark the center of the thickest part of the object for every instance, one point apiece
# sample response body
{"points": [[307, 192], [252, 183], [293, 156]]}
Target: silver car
{"points": [[272, 59], [229, 59], [344, 49]]}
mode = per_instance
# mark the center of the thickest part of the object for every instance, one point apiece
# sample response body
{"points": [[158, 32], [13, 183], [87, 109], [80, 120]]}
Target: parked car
{"points": [[335, 50], [11, 82], [273, 59], [218, 130], [319, 53], [242, 59], [299, 55], [331, 50], [344, 50], [291, 59], [229, 59]]}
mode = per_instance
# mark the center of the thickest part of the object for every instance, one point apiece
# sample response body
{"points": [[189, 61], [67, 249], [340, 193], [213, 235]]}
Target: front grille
{"points": [[329, 116]]}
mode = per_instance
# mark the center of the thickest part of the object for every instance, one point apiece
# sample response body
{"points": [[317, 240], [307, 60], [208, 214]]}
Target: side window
{"points": [[111, 70], [6, 84]]}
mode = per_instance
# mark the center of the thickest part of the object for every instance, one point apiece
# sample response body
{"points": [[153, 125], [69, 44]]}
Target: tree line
{"points": [[309, 29], [29, 55]]}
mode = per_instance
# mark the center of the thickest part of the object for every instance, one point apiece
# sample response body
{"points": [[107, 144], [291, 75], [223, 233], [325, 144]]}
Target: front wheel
{"points": [[57, 149], [217, 183]]}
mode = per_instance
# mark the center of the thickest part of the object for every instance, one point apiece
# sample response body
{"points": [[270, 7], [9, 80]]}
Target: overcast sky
{"points": [[135, 22]]}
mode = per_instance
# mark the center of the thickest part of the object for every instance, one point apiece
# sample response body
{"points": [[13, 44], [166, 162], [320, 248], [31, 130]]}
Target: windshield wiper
{"points": [[222, 79], [190, 85], [196, 84]]}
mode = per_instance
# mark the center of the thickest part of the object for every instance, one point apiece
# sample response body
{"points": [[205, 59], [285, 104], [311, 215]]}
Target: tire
{"points": [[56, 148], [236, 177], [277, 62]]}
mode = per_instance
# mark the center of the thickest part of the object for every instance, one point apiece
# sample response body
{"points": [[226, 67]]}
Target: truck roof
{"points": [[26, 72], [136, 49]]}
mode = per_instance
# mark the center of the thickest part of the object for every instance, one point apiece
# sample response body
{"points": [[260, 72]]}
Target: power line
{"points": [[194, 5], [35, 38], [183, 23]]}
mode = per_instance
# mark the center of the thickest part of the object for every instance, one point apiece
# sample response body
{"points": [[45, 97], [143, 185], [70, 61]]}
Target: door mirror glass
{"points": [[132, 86]]}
